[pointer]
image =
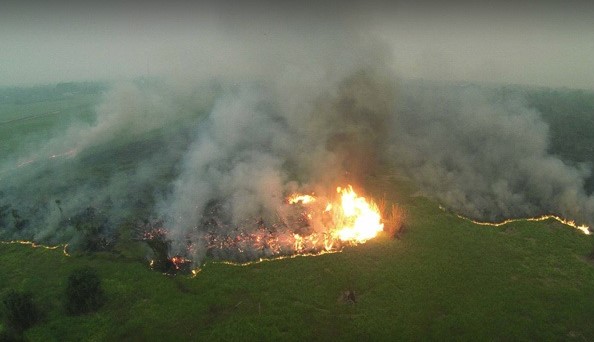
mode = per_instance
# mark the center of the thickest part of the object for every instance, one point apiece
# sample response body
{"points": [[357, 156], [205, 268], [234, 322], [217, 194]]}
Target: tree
{"points": [[84, 292], [93, 228], [20, 312]]}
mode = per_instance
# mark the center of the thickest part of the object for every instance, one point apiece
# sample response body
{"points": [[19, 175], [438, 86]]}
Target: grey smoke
{"points": [[484, 156], [263, 141], [281, 115], [114, 164]]}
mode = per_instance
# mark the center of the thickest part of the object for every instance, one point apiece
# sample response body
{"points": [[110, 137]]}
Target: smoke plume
{"points": [[227, 140], [264, 140], [484, 156]]}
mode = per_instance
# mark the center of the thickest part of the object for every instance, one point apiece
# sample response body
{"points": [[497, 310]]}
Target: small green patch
{"points": [[83, 291]]}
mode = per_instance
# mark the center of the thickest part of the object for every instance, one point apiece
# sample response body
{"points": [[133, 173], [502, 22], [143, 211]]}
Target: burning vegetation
{"points": [[570, 223], [155, 236], [309, 225]]}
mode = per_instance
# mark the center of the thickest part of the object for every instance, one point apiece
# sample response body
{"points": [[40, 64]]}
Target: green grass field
{"points": [[444, 279], [22, 124]]}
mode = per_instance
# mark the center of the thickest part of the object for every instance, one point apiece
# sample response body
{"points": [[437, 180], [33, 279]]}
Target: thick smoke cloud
{"points": [[103, 171], [240, 139], [265, 140], [299, 111], [484, 156]]}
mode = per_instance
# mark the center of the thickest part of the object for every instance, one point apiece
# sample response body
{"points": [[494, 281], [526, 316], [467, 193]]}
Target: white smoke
{"points": [[275, 111], [309, 126], [484, 156]]}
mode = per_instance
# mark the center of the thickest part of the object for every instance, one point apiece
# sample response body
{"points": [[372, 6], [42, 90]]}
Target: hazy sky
{"points": [[550, 45]]}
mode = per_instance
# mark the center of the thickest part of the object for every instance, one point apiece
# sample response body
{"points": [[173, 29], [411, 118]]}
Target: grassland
{"points": [[22, 124], [444, 279]]}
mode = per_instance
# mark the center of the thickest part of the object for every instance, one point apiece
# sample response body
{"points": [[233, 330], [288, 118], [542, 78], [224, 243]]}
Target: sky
{"points": [[545, 45]]}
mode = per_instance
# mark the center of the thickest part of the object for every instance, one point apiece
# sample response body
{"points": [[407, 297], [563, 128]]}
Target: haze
{"points": [[543, 45]]}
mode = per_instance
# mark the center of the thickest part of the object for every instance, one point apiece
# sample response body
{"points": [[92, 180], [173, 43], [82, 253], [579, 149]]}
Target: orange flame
{"points": [[321, 226], [33, 244], [354, 218], [305, 199], [179, 261], [358, 219], [570, 223]]}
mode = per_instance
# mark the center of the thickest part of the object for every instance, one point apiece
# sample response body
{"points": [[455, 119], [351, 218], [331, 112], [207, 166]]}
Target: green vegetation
{"points": [[570, 113], [445, 279], [22, 124], [83, 291], [91, 226], [20, 312], [570, 116]]}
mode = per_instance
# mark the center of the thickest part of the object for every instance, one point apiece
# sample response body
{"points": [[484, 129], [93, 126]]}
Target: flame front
{"points": [[570, 223], [33, 244], [354, 219], [309, 225], [350, 219], [357, 219]]}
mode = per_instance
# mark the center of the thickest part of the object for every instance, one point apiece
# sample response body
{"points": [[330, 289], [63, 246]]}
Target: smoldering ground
{"points": [[273, 117]]}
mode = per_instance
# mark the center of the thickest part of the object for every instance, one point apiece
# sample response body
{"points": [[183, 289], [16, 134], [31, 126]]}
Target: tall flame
{"points": [[357, 219], [318, 225], [354, 218]]}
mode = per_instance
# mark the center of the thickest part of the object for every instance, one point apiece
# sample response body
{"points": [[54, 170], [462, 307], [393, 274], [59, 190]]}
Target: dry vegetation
{"points": [[393, 217]]}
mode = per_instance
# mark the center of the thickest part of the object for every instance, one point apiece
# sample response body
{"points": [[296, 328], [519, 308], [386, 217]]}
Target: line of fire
{"points": [[318, 226], [570, 223]]}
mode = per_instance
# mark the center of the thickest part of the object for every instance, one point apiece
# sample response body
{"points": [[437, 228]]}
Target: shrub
{"points": [[20, 312], [92, 226], [83, 292], [394, 221]]}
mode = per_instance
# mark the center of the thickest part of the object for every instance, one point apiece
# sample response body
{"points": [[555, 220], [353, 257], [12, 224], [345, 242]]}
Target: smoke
{"points": [[264, 140], [290, 113], [484, 155], [304, 110], [90, 176]]}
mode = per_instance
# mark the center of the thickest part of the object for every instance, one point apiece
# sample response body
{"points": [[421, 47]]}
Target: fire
{"points": [[570, 223], [309, 225], [33, 244], [180, 262], [358, 219], [354, 218], [348, 220], [305, 199]]}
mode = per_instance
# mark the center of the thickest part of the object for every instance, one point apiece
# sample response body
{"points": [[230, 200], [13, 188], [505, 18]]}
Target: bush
{"points": [[83, 292], [20, 312], [93, 230], [394, 221]]}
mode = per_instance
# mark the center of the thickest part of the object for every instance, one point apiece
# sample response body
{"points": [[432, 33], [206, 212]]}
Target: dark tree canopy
{"points": [[20, 312], [83, 292]]}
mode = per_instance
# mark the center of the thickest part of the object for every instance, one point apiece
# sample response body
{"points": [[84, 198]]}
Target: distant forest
{"points": [[570, 115]]}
